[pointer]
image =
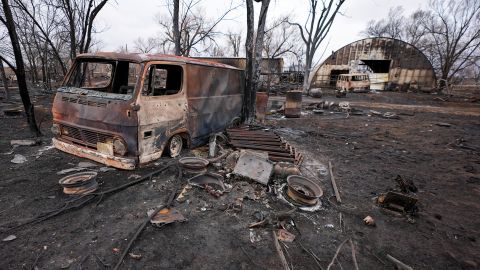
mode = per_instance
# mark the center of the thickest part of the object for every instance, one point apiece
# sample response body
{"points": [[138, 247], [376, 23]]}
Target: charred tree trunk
{"points": [[248, 104], [3, 76], [254, 49], [20, 70], [176, 30], [259, 46]]}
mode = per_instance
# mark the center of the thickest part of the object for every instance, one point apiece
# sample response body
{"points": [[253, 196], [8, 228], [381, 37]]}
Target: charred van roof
{"points": [[142, 57]]}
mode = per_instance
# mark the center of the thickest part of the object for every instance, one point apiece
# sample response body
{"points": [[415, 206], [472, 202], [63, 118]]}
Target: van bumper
{"points": [[117, 162]]}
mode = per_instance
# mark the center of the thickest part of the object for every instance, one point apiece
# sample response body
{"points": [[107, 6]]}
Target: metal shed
{"points": [[391, 64]]}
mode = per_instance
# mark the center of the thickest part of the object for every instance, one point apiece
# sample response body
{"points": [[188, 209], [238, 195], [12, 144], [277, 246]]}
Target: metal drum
{"points": [[293, 104]]}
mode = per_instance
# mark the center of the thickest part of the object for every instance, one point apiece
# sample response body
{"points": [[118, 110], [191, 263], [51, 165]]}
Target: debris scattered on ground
{"points": [[284, 169], [254, 236], [285, 236], [18, 159], [24, 142], [405, 185], [70, 170], [387, 115], [135, 256], [316, 92], [166, 216], [442, 124], [11, 237], [43, 150], [106, 169], [368, 220], [79, 183], [134, 176], [182, 195], [303, 190], [231, 160], [397, 202], [255, 166], [86, 164], [211, 182]]}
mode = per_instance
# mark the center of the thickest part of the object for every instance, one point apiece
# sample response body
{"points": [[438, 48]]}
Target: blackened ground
{"points": [[367, 153]]}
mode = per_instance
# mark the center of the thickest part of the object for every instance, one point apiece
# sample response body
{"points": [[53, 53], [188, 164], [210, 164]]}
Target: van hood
{"points": [[93, 93]]}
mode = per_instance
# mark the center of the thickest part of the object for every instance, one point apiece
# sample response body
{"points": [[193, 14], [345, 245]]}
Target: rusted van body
{"points": [[353, 82], [126, 109]]}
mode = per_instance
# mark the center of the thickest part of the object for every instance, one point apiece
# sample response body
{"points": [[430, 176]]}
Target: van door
{"points": [[163, 108]]}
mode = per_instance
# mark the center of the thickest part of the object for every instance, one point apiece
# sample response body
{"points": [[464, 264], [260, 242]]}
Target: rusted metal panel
{"points": [[210, 97]]}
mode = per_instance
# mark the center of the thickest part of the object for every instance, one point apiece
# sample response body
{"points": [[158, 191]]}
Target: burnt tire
{"points": [[175, 146]]}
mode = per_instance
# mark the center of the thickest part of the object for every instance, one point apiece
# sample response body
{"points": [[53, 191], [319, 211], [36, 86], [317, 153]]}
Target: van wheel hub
{"points": [[175, 146]]}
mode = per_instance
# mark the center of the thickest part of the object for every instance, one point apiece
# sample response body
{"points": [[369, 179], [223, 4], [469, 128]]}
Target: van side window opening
{"points": [[115, 77], [163, 80]]}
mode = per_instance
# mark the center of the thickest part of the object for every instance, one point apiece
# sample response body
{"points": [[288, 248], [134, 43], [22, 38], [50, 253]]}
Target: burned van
{"points": [[128, 109], [357, 83]]}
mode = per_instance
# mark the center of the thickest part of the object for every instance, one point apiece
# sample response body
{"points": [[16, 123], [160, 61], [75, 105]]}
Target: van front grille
{"points": [[84, 136]]}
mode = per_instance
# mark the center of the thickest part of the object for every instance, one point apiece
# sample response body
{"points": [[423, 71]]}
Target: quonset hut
{"points": [[391, 64]]}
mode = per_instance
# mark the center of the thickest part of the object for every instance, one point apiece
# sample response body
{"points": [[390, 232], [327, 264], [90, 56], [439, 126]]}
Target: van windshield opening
{"points": [[105, 78]]}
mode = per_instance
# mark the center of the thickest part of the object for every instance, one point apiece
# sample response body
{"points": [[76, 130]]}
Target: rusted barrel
{"points": [[261, 105], [293, 104]]}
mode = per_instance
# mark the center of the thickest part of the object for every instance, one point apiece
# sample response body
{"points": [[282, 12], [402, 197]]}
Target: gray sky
{"points": [[126, 20]]}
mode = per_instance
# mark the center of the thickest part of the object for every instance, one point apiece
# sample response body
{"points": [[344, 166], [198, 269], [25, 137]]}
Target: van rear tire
{"points": [[175, 146]]}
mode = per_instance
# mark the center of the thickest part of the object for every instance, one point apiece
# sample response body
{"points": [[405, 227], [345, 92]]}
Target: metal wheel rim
{"points": [[175, 146]]}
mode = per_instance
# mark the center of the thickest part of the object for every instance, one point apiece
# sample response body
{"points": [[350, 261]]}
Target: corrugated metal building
{"points": [[390, 63]]}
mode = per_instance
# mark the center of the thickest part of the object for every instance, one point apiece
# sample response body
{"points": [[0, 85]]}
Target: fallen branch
{"points": [[310, 252], [354, 256], [336, 254], [334, 184], [399, 264], [283, 260], [142, 227]]}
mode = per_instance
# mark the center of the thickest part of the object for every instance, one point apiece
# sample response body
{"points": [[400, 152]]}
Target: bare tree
{"points": [[315, 29], [396, 25], [454, 29], [34, 11], [281, 38], [20, 69], [3, 76], [79, 22], [4, 79], [176, 26], [234, 40], [145, 45], [253, 51], [194, 27]]}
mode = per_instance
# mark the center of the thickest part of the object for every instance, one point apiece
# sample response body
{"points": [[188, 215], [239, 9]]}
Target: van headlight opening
{"points": [[119, 146], [55, 129]]}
